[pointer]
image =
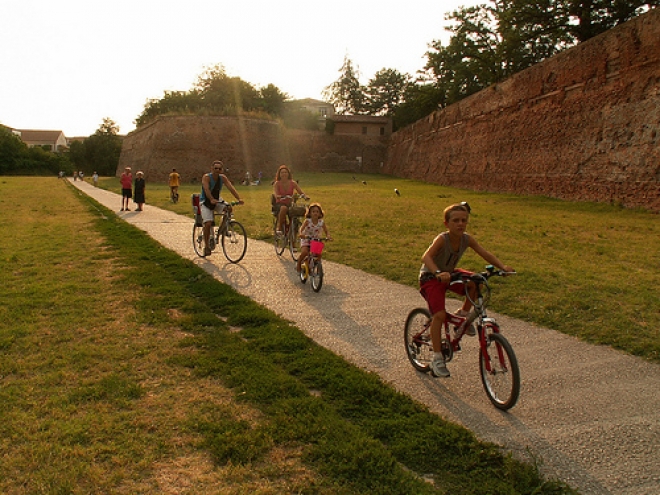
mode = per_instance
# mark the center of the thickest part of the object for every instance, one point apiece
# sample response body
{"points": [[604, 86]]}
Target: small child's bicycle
{"points": [[230, 233], [312, 266], [498, 365], [290, 228]]}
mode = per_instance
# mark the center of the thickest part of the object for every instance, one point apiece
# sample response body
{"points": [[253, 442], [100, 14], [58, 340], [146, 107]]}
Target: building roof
{"points": [[39, 136], [312, 101], [367, 119]]}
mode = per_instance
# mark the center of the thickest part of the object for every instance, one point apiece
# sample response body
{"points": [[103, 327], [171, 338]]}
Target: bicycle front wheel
{"points": [[278, 240], [198, 240], [502, 382], [294, 247], [417, 339], [316, 275], [234, 241]]}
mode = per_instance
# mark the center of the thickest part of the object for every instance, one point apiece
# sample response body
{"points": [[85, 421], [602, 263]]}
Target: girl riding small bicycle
{"points": [[311, 229]]}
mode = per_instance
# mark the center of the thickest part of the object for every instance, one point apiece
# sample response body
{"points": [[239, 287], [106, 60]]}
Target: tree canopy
{"points": [[99, 152], [216, 93], [488, 43], [17, 158]]}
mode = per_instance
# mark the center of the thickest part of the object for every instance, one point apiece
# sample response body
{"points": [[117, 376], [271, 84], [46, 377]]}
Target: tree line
{"points": [[488, 44], [97, 153]]}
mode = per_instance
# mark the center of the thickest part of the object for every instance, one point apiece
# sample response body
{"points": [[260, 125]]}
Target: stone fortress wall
{"points": [[583, 125], [191, 144]]}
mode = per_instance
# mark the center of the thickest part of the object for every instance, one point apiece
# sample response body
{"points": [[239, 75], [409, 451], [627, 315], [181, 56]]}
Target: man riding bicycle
{"points": [[210, 199]]}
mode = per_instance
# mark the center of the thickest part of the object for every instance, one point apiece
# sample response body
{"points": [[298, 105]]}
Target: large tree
{"points": [[386, 91], [272, 100], [215, 93], [102, 149], [346, 93], [220, 91]]}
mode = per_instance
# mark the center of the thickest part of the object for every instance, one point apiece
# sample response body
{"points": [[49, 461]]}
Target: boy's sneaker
{"points": [[439, 368]]}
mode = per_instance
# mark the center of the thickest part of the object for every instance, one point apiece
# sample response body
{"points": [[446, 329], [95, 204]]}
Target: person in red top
{"points": [[126, 181], [284, 186]]}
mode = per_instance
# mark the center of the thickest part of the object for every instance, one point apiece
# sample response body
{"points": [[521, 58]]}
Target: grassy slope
{"points": [[125, 369]]}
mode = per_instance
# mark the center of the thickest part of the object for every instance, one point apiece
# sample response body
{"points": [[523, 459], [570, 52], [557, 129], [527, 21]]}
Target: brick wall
{"points": [[191, 144], [584, 125]]}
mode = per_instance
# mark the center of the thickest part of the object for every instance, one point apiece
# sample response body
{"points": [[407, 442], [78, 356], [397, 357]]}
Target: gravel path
{"points": [[590, 414]]}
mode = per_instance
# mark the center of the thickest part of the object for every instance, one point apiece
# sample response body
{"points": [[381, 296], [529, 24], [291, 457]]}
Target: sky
{"points": [[67, 65]]}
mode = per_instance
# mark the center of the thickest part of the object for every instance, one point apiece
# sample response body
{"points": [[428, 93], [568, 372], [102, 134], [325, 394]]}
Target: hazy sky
{"points": [[67, 64]]}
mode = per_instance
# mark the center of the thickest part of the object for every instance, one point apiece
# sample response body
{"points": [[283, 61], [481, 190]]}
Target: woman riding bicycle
{"points": [[210, 199], [438, 263], [311, 229], [283, 186]]}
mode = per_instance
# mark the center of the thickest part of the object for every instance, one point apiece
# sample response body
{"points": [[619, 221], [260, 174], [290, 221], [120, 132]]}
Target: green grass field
{"points": [[125, 369], [585, 269]]}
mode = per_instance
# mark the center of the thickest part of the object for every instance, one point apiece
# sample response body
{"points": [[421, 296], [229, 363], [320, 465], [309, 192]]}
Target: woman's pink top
{"points": [[281, 192]]}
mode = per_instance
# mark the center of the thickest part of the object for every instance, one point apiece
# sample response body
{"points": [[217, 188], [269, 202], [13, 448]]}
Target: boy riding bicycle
{"points": [[438, 264]]}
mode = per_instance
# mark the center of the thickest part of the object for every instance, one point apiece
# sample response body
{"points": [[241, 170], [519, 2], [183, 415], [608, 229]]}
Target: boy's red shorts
{"points": [[434, 291]]}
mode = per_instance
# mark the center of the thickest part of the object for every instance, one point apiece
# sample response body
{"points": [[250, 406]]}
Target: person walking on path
{"points": [[95, 179], [140, 185], [211, 201], [126, 181]]}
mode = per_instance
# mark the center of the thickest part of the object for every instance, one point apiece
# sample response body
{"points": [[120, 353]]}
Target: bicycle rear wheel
{"points": [[294, 246], [316, 275], [198, 240], [417, 339], [278, 240], [234, 241], [502, 382]]}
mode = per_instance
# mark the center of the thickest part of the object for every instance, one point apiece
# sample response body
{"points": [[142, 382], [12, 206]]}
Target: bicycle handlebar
{"points": [[482, 276], [320, 239], [295, 196]]}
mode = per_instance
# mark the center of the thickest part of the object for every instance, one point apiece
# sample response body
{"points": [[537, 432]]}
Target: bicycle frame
{"points": [[229, 234], [289, 230], [314, 268]]}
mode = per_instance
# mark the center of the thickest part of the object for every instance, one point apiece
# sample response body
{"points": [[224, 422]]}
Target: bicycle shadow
{"points": [[232, 274], [326, 319]]}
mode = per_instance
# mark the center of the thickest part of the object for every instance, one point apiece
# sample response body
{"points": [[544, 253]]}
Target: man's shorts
{"points": [[207, 213], [434, 291], [127, 193]]}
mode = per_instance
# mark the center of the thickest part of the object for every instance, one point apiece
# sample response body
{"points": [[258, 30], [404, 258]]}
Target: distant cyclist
{"points": [[174, 185]]}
